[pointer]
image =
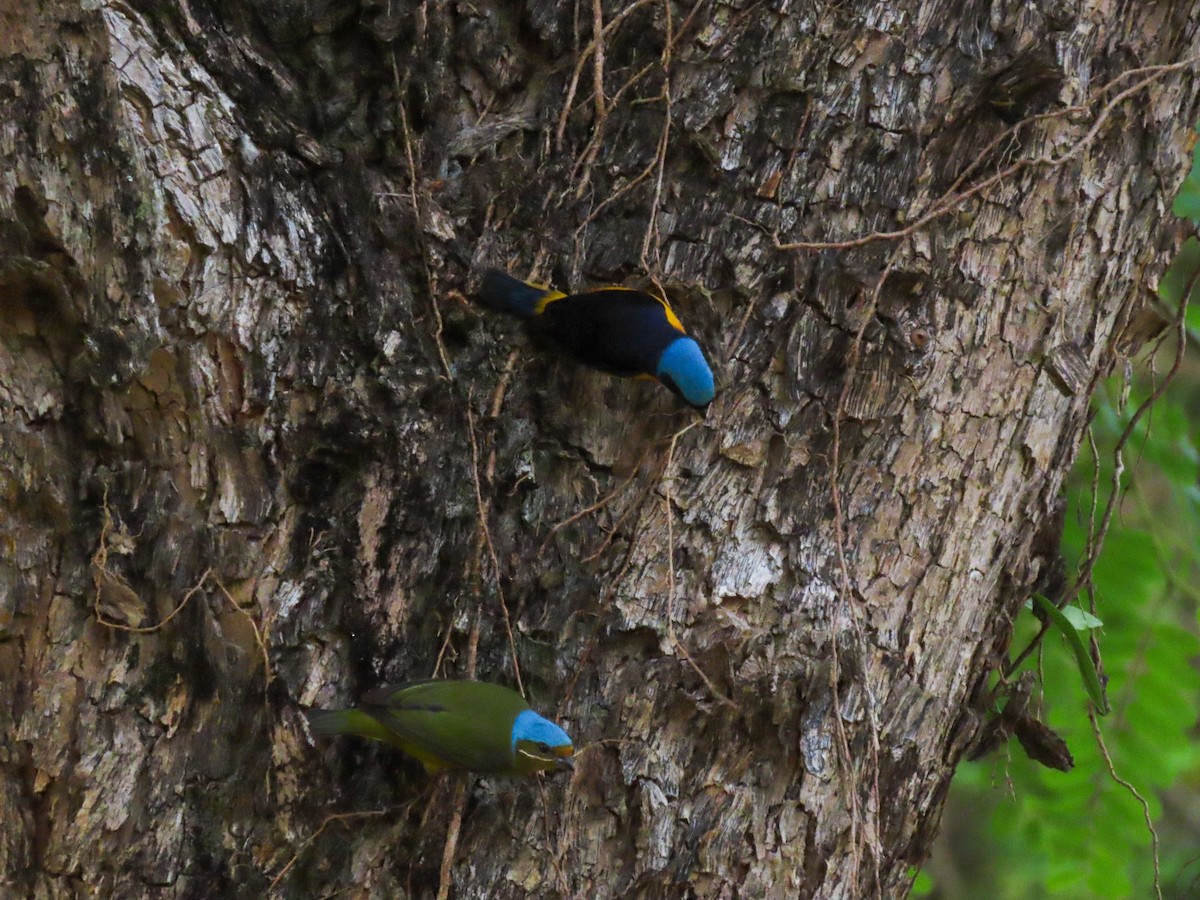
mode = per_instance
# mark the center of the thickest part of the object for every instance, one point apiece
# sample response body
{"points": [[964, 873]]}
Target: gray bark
{"points": [[237, 370]]}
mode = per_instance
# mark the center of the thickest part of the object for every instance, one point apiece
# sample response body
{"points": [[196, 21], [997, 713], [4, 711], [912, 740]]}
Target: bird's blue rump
{"points": [[502, 292]]}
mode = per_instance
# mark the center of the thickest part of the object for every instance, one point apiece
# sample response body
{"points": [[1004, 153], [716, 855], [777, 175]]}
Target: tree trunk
{"points": [[259, 454]]}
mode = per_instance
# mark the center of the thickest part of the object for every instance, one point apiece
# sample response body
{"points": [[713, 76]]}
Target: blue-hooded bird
{"points": [[455, 725], [614, 329]]}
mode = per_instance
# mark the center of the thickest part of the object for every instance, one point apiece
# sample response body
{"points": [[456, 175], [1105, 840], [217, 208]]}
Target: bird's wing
{"points": [[616, 330], [461, 733], [672, 318]]}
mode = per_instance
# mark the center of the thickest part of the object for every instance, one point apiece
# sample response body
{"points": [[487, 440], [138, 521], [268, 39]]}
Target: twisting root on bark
{"points": [[560, 875], [581, 170], [669, 511], [446, 873], [308, 842], [486, 531], [100, 572], [430, 281], [953, 198], [846, 601], [595, 507], [616, 526], [258, 637], [600, 31], [663, 139]]}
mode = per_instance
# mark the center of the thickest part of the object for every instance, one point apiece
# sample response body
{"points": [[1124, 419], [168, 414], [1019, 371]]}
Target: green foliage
{"points": [[1174, 280], [922, 884], [1070, 622], [1187, 203], [1083, 834]]}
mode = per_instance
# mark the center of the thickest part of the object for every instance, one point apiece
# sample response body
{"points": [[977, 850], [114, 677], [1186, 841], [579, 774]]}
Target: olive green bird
{"points": [[455, 726]]}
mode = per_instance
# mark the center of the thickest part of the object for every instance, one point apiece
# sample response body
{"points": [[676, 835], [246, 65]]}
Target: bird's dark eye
{"points": [[545, 748]]}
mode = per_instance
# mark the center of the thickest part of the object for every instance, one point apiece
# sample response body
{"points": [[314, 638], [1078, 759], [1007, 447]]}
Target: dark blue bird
{"points": [[614, 329]]}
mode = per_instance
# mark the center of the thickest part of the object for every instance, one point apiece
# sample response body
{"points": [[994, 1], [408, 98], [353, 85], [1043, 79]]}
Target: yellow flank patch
{"points": [[432, 762], [549, 297]]}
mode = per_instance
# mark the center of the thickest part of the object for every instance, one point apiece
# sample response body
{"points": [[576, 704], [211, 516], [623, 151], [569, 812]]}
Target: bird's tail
{"points": [[500, 291], [346, 721]]}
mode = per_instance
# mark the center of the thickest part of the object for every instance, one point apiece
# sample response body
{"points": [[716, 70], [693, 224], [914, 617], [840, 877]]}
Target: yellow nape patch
{"points": [[672, 319]]}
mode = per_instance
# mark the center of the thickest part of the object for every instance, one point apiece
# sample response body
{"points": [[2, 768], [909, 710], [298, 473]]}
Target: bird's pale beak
{"points": [[564, 755]]}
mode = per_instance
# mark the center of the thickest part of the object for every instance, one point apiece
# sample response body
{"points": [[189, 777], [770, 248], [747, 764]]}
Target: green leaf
{"points": [[1080, 619], [1083, 659], [922, 885], [1187, 204]]}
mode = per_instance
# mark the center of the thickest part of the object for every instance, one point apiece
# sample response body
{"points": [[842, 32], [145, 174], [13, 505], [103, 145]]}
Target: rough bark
{"points": [[238, 374]]}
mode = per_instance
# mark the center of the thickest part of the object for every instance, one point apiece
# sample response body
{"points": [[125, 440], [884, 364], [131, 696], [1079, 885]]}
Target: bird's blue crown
{"points": [[684, 363], [529, 726]]}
